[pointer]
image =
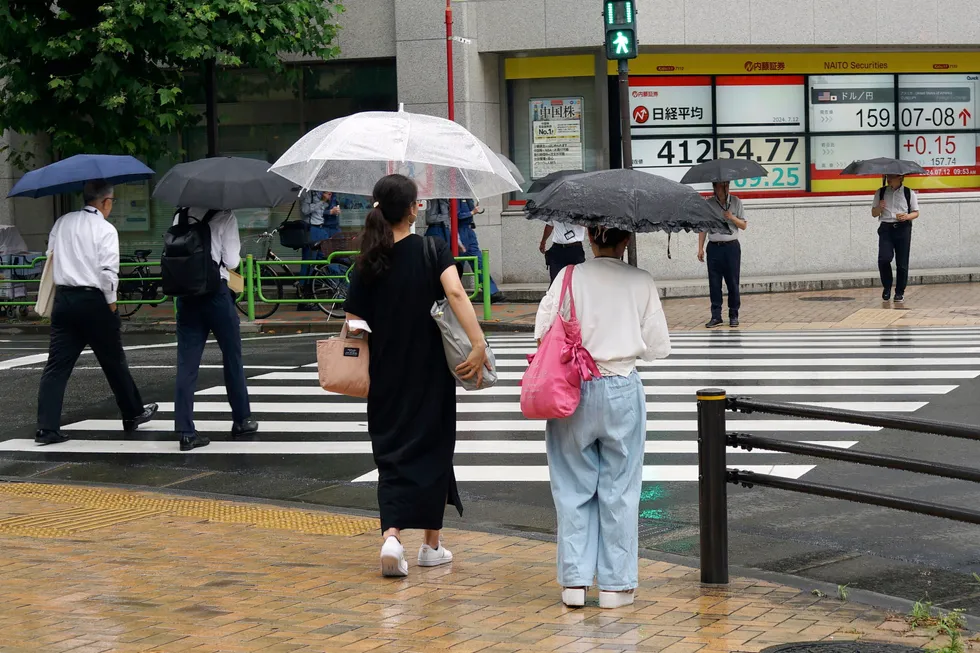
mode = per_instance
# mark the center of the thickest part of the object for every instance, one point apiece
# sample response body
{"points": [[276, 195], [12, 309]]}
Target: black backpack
{"points": [[908, 196], [186, 265]]}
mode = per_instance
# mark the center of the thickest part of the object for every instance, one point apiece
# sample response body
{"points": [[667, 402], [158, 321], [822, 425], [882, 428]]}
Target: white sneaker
{"points": [[612, 600], [429, 557], [573, 597], [393, 563]]}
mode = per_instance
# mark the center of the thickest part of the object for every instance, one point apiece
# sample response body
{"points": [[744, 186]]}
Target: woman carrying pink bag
{"points": [[595, 455]]}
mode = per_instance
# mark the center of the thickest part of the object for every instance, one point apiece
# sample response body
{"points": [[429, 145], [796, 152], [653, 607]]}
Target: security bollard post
{"points": [[712, 488]]}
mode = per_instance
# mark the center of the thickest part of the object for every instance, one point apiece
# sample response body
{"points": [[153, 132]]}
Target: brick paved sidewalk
{"points": [[89, 570]]}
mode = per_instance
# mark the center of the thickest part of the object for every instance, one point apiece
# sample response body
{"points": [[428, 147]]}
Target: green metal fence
{"points": [[145, 279]]}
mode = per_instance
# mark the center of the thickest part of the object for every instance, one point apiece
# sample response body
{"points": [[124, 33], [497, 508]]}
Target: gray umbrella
{"points": [[625, 199], [225, 183], [883, 166], [721, 170]]}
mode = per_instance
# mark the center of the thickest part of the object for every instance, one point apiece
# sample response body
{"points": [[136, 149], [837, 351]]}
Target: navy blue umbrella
{"points": [[71, 174]]}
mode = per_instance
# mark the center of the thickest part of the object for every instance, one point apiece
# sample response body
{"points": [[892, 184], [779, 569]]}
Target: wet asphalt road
{"points": [[864, 547]]}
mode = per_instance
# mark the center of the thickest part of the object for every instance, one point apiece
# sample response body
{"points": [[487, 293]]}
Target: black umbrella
{"points": [[540, 184], [721, 170], [224, 183], [883, 166], [626, 199]]}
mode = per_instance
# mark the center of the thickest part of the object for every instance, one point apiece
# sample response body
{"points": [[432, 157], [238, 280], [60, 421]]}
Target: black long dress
{"points": [[412, 401]]}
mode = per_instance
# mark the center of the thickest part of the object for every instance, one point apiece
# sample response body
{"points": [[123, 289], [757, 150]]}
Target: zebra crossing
{"points": [[887, 371]]}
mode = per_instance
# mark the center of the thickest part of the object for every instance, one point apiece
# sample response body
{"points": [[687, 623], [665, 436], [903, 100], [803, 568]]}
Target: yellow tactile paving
{"points": [[316, 523], [168, 583], [64, 523]]}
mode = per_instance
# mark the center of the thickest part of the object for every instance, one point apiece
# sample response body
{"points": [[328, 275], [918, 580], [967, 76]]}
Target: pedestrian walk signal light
{"points": [[620, 21]]}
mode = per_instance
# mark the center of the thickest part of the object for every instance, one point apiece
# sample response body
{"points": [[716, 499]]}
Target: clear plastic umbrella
{"points": [[350, 154]]}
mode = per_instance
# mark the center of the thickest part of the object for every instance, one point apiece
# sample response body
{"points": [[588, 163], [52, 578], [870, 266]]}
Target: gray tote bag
{"points": [[454, 339]]}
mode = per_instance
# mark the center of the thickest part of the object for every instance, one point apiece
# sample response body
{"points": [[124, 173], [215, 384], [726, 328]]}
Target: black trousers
{"points": [[82, 317], [724, 262], [559, 256], [196, 318], [894, 242]]}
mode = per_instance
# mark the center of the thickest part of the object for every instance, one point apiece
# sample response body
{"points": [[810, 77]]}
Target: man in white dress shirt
{"points": [[895, 206], [566, 246], [212, 313], [85, 247]]}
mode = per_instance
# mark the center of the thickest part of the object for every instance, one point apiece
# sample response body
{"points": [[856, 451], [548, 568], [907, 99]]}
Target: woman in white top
{"points": [[595, 457]]}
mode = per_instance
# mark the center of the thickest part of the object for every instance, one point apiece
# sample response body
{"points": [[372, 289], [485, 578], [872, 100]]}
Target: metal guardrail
{"points": [[714, 474], [251, 271]]}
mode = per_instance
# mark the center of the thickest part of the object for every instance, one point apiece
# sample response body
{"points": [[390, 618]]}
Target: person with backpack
{"points": [[84, 252], [896, 206], [199, 250]]}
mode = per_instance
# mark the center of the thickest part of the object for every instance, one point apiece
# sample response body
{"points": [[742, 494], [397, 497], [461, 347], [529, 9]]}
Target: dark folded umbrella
{"points": [[70, 175], [883, 166], [626, 199], [540, 184], [721, 170], [225, 183]]}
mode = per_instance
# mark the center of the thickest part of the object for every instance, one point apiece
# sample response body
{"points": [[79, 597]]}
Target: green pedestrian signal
{"points": [[620, 23]]}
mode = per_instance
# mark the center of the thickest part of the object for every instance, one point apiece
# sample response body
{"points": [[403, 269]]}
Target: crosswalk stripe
{"points": [[726, 376], [651, 473], [783, 362], [482, 426], [337, 408], [676, 350], [280, 447], [651, 390]]}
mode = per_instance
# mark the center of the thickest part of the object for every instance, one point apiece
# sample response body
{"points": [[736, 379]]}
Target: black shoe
{"points": [[714, 322], [191, 442], [899, 299], [497, 297], [149, 410], [49, 437], [245, 428], [886, 295], [733, 322]]}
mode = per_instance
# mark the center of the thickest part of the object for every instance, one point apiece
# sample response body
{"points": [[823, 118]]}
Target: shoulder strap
{"points": [[881, 193], [566, 287], [183, 216], [908, 198], [210, 214]]}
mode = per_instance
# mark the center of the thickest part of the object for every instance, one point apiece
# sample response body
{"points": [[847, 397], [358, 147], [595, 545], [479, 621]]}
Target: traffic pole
{"points": [[712, 488], [451, 98], [627, 137], [485, 282], [250, 286]]}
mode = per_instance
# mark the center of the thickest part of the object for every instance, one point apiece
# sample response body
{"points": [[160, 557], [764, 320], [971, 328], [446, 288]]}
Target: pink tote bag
{"points": [[552, 385]]}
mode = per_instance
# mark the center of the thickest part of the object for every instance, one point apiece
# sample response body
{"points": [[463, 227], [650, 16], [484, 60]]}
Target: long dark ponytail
{"points": [[393, 198]]}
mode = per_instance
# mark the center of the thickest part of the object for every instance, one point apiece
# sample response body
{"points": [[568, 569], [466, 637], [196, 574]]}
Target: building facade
{"points": [[801, 86]]}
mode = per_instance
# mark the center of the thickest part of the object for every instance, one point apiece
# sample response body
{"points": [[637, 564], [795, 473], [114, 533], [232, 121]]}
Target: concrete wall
{"points": [[549, 24], [810, 237]]}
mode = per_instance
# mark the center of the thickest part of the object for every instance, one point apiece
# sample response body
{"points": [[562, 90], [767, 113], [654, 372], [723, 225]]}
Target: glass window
{"points": [[555, 125]]}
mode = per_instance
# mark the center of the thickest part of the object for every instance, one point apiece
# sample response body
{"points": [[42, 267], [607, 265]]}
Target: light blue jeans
{"points": [[595, 459]]}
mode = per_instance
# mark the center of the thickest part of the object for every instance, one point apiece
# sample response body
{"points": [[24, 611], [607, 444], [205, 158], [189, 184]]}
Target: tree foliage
{"points": [[110, 76]]}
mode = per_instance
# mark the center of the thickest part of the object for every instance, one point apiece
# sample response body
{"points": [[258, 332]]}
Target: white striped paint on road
{"points": [[764, 375], [482, 426], [268, 447], [359, 407], [781, 362], [676, 350], [651, 473], [651, 390]]}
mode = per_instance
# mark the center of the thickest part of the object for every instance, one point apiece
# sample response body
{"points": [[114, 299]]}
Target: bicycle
{"points": [[136, 283], [272, 286]]}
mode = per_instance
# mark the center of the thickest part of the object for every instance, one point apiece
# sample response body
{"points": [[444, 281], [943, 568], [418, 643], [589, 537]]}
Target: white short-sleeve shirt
{"points": [[895, 203], [567, 234]]}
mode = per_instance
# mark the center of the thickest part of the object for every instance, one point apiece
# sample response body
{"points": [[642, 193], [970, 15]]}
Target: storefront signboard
{"points": [[557, 141]]}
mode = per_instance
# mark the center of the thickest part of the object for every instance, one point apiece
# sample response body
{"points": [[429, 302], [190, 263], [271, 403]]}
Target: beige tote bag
{"points": [[342, 362], [46, 289]]}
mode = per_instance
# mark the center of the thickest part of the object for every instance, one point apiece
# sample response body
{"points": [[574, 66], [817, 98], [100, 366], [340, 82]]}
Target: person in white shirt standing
{"points": [[724, 254], [895, 206], [85, 251], [595, 457], [214, 312], [566, 246]]}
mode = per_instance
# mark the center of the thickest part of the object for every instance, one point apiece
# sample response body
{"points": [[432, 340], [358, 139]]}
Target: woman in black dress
{"points": [[412, 400]]}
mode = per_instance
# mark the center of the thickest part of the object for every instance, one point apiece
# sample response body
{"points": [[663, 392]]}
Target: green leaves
{"points": [[112, 75]]}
